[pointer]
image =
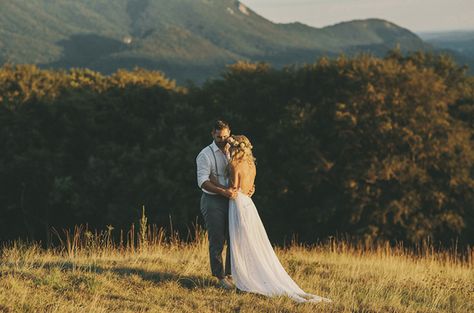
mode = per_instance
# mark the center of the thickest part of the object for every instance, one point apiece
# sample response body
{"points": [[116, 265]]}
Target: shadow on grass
{"points": [[157, 277], [190, 282]]}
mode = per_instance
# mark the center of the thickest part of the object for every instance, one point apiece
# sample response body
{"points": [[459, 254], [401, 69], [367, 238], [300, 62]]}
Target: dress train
{"points": [[254, 264]]}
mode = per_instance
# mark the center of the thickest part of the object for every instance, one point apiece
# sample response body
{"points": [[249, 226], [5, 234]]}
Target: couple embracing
{"points": [[226, 173]]}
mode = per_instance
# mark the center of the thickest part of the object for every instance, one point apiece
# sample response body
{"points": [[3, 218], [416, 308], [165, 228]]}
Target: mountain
{"points": [[461, 41], [187, 39], [458, 43]]}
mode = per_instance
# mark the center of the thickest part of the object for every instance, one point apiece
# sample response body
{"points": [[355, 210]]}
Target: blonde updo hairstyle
{"points": [[240, 149]]}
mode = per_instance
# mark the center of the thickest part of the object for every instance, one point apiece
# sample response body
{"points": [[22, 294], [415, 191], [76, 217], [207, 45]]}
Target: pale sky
{"points": [[416, 15]]}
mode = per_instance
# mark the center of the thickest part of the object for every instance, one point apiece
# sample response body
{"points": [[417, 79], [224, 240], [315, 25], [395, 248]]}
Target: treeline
{"points": [[368, 147]]}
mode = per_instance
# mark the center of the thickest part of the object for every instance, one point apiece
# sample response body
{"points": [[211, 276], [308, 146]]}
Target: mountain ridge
{"points": [[171, 36]]}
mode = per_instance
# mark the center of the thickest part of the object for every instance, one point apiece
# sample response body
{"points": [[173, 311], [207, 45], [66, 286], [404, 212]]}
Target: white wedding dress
{"points": [[254, 264]]}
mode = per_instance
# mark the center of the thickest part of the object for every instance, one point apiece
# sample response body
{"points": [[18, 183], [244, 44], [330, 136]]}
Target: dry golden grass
{"points": [[172, 276]]}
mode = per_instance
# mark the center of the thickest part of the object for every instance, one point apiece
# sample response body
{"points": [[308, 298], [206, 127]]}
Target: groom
{"points": [[212, 161]]}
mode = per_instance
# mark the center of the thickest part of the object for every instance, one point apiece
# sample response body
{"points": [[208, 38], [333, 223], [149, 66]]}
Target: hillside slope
{"points": [[187, 39]]}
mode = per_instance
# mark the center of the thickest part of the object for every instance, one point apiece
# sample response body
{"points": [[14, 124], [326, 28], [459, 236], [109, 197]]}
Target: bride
{"points": [[254, 265]]}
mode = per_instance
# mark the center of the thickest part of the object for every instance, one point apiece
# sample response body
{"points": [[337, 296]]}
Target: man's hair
{"points": [[220, 125]]}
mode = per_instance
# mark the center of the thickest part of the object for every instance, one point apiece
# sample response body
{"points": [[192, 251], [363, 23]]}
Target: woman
{"points": [[254, 265]]}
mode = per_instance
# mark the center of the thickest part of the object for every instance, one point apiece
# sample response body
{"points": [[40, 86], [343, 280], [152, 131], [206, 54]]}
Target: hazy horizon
{"points": [[419, 16]]}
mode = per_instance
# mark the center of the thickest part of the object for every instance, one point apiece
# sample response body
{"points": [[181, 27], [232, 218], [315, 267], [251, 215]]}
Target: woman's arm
{"points": [[234, 177]]}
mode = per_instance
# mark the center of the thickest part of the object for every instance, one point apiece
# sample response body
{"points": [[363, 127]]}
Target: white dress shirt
{"points": [[206, 165]]}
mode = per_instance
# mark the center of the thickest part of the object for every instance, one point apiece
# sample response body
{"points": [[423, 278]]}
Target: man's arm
{"points": [[203, 177], [226, 192], [215, 181]]}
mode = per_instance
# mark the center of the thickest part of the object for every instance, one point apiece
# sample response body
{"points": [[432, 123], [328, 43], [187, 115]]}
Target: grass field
{"points": [[168, 275]]}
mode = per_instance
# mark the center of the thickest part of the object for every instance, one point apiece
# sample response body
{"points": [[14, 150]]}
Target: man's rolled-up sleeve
{"points": [[203, 168]]}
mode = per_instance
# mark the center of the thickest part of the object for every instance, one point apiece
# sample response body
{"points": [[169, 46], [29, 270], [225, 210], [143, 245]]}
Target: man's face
{"points": [[220, 137]]}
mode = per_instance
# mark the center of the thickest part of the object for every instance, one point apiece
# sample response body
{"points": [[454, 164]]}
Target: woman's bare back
{"points": [[243, 176]]}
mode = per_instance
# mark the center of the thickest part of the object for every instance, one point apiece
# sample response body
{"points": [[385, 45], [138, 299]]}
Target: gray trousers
{"points": [[215, 210]]}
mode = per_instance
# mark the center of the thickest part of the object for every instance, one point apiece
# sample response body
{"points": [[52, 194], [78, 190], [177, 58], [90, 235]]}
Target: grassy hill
{"points": [[172, 276], [187, 39]]}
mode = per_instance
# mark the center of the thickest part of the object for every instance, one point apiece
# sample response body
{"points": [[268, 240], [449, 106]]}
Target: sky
{"points": [[416, 15]]}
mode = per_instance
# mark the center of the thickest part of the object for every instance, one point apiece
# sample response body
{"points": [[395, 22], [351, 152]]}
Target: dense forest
{"points": [[375, 148]]}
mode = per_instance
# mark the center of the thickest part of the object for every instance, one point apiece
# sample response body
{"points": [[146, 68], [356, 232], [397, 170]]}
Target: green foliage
{"points": [[375, 148]]}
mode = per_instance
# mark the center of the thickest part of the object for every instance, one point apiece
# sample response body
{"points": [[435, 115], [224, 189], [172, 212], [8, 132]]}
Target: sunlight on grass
{"points": [[169, 275]]}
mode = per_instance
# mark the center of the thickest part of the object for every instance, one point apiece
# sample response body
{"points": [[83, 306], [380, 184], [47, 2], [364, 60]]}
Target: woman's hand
{"points": [[251, 191]]}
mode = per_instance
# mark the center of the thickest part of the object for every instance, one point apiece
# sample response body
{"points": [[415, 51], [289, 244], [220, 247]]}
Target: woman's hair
{"points": [[240, 149]]}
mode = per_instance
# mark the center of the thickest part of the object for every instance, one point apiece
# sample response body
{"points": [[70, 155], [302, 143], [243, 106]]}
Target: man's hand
{"points": [[251, 191], [230, 193]]}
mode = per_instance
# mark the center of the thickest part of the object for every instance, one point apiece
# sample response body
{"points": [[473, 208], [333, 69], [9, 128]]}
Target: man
{"points": [[213, 160]]}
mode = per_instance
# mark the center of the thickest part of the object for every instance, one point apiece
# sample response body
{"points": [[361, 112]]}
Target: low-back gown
{"points": [[254, 264]]}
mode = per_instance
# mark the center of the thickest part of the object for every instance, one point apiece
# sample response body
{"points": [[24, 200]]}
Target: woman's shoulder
{"points": [[234, 165], [240, 165]]}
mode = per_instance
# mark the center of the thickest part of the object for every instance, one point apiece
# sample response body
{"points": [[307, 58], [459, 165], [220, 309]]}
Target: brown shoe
{"points": [[224, 284], [230, 281]]}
